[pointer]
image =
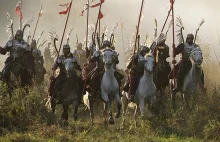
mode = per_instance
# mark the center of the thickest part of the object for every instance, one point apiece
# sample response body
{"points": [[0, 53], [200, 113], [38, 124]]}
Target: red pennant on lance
{"points": [[95, 5], [18, 9], [67, 8], [92, 6], [41, 13], [100, 15]]}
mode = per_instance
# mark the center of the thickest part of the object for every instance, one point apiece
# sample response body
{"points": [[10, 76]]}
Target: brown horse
{"points": [[22, 72]]}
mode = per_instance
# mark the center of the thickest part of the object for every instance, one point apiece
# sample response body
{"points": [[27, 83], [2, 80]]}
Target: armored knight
{"points": [[184, 64], [136, 72], [59, 62], [80, 54], [161, 53], [39, 62], [17, 47], [36, 53]]}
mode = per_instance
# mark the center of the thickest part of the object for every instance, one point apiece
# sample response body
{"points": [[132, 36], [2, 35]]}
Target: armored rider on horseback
{"points": [[184, 64], [17, 47], [136, 72], [61, 78], [160, 51], [95, 75]]}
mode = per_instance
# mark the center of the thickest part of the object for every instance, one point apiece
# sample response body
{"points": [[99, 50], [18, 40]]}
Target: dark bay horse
{"points": [[70, 92], [22, 72]]}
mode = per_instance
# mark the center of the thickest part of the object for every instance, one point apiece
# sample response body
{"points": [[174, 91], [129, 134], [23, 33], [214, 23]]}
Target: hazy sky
{"points": [[191, 12]]}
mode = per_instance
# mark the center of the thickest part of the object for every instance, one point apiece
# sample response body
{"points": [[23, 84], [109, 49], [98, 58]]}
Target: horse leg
{"points": [[91, 103], [124, 101], [75, 115], [118, 101], [135, 116], [141, 105], [186, 100], [173, 97], [53, 105], [64, 115], [104, 113], [108, 102]]}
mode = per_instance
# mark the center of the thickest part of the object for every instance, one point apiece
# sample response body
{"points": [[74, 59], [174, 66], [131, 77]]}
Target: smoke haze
{"points": [[127, 11]]}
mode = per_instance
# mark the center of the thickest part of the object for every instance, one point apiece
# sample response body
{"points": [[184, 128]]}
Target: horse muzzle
{"points": [[149, 72], [108, 65]]}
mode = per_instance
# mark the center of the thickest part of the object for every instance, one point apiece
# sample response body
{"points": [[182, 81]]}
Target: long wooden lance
{"points": [[67, 18], [87, 24], [37, 22], [174, 61], [51, 82], [21, 16], [93, 36], [135, 45], [136, 38], [167, 17], [96, 26]]}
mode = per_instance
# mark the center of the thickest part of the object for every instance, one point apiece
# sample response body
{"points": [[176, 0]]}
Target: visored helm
{"points": [[79, 46], [144, 50], [19, 35], [66, 49], [106, 43], [190, 38]]}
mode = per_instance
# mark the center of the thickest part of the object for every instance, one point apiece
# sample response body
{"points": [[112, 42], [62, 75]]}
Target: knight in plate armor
{"points": [[184, 64], [80, 54], [161, 53], [136, 71], [61, 78], [37, 53], [17, 47], [39, 62]]}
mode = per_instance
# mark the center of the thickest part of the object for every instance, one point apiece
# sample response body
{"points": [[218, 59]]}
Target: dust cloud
{"points": [[115, 11]]}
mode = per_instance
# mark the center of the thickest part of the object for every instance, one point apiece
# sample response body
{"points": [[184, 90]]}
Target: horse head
{"points": [[196, 57], [108, 57], [69, 65], [149, 64]]}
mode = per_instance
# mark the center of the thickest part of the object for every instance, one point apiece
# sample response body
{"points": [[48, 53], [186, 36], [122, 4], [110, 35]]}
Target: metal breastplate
{"points": [[186, 51], [140, 64], [18, 49]]}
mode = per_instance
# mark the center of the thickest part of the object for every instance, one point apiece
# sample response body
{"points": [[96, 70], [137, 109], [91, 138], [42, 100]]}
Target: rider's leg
{"points": [[134, 86], [60, 80], [118, 78]]}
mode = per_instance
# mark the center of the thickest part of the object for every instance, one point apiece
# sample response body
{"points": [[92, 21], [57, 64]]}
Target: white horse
{"points": [[192, 83], [109, 88], [146, 90]]}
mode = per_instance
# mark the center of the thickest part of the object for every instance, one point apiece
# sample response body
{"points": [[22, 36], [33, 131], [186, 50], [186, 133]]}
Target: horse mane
{"points": [[196, 49]]}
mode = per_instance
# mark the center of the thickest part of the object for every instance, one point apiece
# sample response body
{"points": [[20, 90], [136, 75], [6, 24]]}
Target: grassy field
{"points": [[23, 118]]}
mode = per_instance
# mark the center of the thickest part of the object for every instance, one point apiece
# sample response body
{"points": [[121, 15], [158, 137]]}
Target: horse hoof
{"points": [[117, 115], [75, 117], [111, 120]]}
